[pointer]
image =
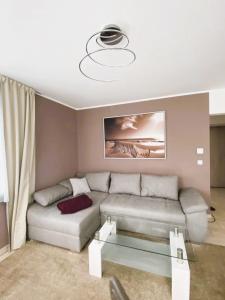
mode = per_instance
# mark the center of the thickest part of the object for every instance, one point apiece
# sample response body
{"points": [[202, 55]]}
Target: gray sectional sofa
{"points": [[141, 203]]}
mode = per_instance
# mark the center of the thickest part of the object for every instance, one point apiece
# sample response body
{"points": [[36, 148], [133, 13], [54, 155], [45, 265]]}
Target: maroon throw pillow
{"points": [[74, 204]]}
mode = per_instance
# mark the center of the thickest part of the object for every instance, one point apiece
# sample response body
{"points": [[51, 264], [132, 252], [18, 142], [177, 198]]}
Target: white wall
{"points": [[217, 102]]}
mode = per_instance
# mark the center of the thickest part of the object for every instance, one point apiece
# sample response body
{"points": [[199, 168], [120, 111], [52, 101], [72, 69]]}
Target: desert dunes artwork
{"points": [[135, 136]]}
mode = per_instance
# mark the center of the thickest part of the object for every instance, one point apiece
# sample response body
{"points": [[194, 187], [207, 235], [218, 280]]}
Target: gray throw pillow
{"points": [[125, 184], [50, 195], [98, 181], [159, 186]]}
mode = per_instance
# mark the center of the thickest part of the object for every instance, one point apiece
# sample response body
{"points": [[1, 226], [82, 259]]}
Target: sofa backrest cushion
{"points": [[80, 186], [98, 181], [67, 184], [50, 195], [159, 186], [125, 184]]}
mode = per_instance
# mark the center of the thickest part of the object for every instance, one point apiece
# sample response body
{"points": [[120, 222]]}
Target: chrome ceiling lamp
{"points": [[108, 39]]}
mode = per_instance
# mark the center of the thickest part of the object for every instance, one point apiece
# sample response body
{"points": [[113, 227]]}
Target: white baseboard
{"points": [[4, 252]]}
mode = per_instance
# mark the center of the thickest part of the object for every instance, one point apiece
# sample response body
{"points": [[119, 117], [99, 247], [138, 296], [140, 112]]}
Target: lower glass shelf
{"points": [[139, 259]]}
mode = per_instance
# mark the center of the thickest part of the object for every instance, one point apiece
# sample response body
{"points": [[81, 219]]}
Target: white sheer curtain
{"points": [[3, 170], [18, 107]]}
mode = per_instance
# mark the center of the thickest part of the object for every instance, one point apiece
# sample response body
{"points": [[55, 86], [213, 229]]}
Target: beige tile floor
{"points": [[216, 233]]}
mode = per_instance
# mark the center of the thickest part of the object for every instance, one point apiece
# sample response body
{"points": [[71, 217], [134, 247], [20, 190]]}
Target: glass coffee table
{"points": [[167, 256]]}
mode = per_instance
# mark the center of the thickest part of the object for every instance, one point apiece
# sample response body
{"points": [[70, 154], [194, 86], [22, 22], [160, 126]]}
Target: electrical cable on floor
{"points": [[213, 219]]}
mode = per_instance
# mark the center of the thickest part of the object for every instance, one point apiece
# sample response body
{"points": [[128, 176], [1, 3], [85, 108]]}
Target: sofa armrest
{"points": [[192, 201]]}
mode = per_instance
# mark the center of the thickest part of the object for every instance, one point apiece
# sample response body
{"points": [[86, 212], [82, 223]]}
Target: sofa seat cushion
{"points": [[50, 218], [157, 209]]}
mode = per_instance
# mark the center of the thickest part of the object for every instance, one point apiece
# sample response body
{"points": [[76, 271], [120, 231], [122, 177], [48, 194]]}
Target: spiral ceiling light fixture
{"points": [[110, 39]]}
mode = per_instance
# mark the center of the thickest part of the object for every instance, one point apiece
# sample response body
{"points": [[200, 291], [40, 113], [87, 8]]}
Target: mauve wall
{"points": [[3, 226], [187, 127], [55, 142]]}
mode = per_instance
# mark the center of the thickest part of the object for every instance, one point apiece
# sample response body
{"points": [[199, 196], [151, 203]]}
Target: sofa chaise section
{"points": [[71, 231]]}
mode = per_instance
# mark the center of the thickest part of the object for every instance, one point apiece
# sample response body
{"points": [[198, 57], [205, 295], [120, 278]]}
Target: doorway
{"points": [[217, 156], [217, 179]]}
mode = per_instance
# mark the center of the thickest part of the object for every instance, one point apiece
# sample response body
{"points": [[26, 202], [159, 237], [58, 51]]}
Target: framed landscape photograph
{"points": [[135, 136]]}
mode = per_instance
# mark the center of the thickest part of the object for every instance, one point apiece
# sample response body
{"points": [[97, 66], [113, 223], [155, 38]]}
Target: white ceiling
{"points": [[180, 47]]}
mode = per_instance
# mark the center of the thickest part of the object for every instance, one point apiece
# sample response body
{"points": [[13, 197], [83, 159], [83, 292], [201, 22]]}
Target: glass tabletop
{"points": [[173, 242]]}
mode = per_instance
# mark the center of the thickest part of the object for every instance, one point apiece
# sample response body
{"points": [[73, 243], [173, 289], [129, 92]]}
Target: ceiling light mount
{"points": [[111, 35], [108, 39]]}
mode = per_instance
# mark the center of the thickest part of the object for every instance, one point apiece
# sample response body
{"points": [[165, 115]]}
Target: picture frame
{"points": [[135, 136]]}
